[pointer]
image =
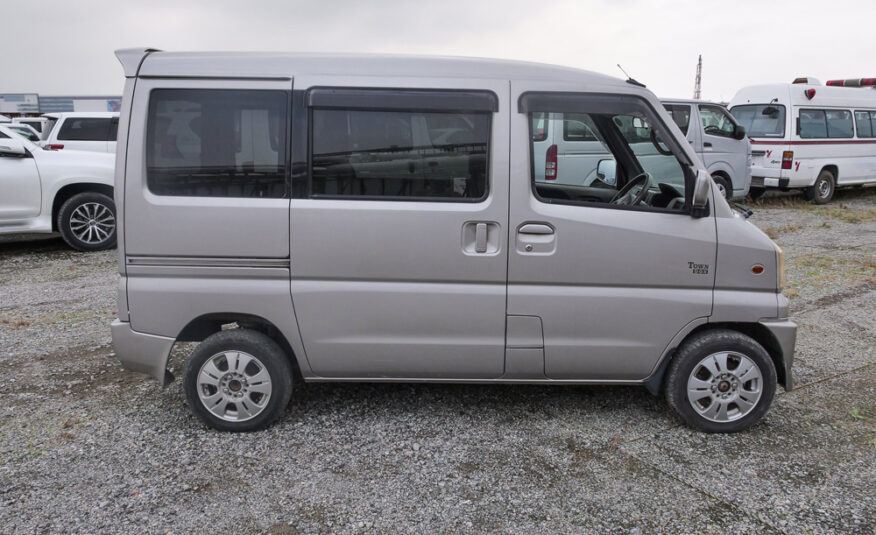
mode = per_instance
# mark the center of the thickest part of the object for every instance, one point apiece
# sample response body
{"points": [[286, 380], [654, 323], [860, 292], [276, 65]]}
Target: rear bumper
{"points": [[140, 352], [785, 334]]}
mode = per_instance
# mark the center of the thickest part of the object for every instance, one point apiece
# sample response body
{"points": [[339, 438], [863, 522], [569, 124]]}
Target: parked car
{"points": [[567, 147], [806, 135], [403, 214], [24, 130], [70, 192], [91, 131], [41, 124], [718, 139]]}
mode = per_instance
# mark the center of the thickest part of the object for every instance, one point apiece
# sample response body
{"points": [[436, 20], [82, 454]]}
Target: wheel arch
{"points": [[203, 326], [834, 170], [68, 191], [756, 331]]}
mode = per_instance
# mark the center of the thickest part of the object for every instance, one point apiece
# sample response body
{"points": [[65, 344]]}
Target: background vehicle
{"points": [[719, 141], [409, 219], [41, 124], [572, 150], [56, 191], [91, 131], [24, 130], [806, 135], [5, 119]]}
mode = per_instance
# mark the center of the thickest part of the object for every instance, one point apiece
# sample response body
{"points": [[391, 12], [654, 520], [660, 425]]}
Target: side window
{"points": [[839, 123], [539, 126], [217, 143], [84, 129], [863, 123], [812, 123], [577, 127], [3, 136], [627, 164], [717, 121], [680, 113], [403, 154]]}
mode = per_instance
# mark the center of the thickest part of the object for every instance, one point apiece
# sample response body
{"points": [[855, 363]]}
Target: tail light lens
{"points": [[51, 146], [787, 159], [550, 163]]}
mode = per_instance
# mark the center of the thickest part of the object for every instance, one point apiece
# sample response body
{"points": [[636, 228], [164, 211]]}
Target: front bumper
{"points": [[140, 352], [785, 334]]}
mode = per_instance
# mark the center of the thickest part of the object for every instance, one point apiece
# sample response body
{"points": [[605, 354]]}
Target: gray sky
{"points": [[64, 47]]}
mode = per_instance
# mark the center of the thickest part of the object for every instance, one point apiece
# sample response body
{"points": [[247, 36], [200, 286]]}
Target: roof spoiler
{"points": [[132, 58]]}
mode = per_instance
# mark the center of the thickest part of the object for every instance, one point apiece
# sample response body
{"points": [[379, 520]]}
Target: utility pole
{"points": [[699, 78]]}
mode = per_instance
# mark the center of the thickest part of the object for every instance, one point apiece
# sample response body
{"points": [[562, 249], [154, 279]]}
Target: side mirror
{"points": [[739, 132], [702, 187], [605, 171], [12, 147]]}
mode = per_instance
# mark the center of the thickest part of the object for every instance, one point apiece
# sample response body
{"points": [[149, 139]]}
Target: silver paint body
{"points": [[366, 290]]}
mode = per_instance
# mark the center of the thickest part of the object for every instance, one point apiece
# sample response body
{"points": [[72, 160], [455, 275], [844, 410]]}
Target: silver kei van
{"points": [[380, 218]]}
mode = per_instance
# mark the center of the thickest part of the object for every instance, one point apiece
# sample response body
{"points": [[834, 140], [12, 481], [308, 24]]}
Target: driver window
{"points": [[604, 159]]}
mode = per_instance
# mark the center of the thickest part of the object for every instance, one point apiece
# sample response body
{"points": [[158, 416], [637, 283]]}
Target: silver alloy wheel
{"points": [[92, 223], [721, 189], [823, 188], [234, 386], [725, 386]]}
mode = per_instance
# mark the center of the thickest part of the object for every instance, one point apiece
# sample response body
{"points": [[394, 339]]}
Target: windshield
{"points": [[761, 120]]}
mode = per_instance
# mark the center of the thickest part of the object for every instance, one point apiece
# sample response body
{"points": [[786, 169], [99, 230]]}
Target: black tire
{"points": [[724, 184], [267, 352], [756, 193], [103, 234], [688, 358], [822, 191]]}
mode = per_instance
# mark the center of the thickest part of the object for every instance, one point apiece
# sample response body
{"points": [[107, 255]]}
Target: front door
{"points": [[20, 190], [613, 276], [720, 148], [399, 241]]}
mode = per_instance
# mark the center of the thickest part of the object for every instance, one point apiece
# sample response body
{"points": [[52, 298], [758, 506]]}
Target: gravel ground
{"points": [[88, 448]]}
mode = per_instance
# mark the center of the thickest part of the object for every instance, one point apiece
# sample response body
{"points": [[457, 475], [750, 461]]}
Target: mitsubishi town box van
{"points": [[385, 218], [810, 136]]}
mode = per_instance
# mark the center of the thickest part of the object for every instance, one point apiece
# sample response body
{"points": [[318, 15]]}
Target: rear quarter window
{"points": [[85, 129], [680, 113]]}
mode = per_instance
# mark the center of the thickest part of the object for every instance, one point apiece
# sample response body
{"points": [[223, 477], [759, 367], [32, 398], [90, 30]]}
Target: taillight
{"points": [[787, 159], [550, 163], [54, 147]]}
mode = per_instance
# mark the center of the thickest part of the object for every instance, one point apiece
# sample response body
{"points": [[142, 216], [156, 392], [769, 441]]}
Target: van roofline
{"points": [[147, 62]]}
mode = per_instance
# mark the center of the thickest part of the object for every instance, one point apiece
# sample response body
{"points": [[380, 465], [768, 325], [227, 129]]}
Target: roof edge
{"points": [[132, 58]]}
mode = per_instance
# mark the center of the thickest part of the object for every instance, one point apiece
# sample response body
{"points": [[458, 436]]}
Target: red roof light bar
{"points": [[853, 82]]}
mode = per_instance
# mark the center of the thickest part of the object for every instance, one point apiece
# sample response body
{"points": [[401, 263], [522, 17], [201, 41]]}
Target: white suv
{"points": [[92, 131], [70, 192]]}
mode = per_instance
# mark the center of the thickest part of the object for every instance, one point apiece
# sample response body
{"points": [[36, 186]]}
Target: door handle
{"points": [[481, 238], [535, 228], [707, 144]]}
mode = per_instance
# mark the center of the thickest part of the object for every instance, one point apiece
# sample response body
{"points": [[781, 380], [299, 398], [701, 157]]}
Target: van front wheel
{"points": [[238, 380], [721, 381], [723, 186], [822, 191]]}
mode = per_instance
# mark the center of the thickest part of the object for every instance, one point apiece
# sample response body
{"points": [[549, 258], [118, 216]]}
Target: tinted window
{"points": [[761, 120], [717, 121], [577, 127], [217, 143], [399, 153], [812, 123], [839, 123], [3, 136], [37, 125], [863, 123], [85, 129], [680, 113]]}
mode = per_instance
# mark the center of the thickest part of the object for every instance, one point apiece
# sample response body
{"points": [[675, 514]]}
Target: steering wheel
{"points": [[623, 196], [657, 146]]}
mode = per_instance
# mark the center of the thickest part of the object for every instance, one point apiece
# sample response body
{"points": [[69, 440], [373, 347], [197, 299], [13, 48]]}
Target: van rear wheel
{"points": [[87, 222], [721, 381], [822, 191], [238, 380]]}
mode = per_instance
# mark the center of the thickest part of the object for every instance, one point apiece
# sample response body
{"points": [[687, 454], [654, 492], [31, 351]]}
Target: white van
{"points": [[572, 151], [385, 218], [718, 139], [91, 131], [808, 135]]}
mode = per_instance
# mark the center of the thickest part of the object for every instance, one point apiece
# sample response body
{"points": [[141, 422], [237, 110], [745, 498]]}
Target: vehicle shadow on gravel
{"points": [[26, 245]]}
